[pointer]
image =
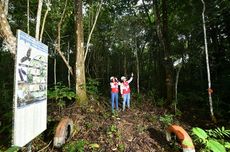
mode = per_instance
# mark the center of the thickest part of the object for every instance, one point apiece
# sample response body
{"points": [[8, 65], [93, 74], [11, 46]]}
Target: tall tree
{"points": [[48, 4], [167, 53], [38, 19], [162, 31], [58, 45], [207, 65], [79, 48]]}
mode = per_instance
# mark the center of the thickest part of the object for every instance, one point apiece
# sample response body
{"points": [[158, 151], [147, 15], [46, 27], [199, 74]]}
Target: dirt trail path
{"points": [[132, 130]]}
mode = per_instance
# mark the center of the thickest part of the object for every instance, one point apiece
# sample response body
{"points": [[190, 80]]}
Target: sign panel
{"points": [[30, 89]]}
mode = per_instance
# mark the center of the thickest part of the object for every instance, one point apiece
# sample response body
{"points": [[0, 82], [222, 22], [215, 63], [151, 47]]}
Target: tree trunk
{"points": [[91, 31], [28, 17], [58, 46], [38, 19], [176, 84], [48, 4], [207, 65], [80, 64], [6, 33], [5, 4], [168, 62], [138, 74], [137, 68], [125, 64], [162, 32], [55, 70], [68, 52]]}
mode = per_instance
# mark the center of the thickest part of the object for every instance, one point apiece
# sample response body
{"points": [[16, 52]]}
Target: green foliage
{"points": [[121, 147], [215, 146], [76, 146], [106, 115], [227, 145], [160, 102], [212, 139], [140, 128], [152, 118], [115, 114], [61, 94], [218, 105], [88, 125], [112, 130], [92, 86], [202, 135], [166, 119], [152, 94], [11, 149], [218, 132], [139, 97], [178, 112]]}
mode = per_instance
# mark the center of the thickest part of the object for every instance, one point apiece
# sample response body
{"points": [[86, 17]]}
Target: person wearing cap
{"points": [[125, 91], [114, 91]]}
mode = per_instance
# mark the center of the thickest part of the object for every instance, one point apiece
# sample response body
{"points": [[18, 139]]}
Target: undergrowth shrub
{"points": [[75, 146], [212, 140], [61, 94], [92, 86], [166, 119]]}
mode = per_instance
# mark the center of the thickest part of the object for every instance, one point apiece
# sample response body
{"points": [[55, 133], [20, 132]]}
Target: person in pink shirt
{"points": [[114, 92], [125, 91]]}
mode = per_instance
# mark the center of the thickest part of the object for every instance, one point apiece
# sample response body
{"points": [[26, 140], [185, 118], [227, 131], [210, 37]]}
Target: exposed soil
{"points": [[97, 129], [134, 130]]}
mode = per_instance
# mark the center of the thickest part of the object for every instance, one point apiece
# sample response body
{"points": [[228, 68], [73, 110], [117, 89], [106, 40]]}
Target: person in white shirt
{"points": [[114, 92], [125, 91]]}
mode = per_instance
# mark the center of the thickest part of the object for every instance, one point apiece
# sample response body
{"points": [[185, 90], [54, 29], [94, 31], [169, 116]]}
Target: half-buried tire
{"points": [[63, 132], [183, 139]]}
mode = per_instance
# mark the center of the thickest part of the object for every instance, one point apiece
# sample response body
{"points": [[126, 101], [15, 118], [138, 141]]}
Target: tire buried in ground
{"points": [[63, 132], [182, 137]]}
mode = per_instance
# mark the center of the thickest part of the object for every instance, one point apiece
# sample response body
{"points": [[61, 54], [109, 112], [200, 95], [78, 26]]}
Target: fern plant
{"points": [[219, 133], [213, 139], [61, 94], [166, 119]]}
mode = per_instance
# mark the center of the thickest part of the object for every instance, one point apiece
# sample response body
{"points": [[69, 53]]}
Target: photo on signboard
{"points": [[32, 81]]}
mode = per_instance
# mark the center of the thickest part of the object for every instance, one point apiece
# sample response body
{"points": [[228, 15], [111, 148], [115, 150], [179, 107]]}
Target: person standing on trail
{"points": [[125, 91], [114, 91]]}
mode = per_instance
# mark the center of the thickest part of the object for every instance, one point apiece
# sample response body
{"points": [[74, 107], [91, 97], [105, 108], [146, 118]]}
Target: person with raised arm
{"points": [[125, 91]]}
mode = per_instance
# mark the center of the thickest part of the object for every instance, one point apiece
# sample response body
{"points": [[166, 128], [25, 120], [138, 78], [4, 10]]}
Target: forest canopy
{"points": [[165, 44]]}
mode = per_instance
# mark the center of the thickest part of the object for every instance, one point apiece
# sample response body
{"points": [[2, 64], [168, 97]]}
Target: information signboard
{"points": [[30, 89]]}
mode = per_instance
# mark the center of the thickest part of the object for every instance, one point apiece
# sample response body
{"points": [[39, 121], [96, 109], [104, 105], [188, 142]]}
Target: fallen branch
{"points": [[45, 147]]}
